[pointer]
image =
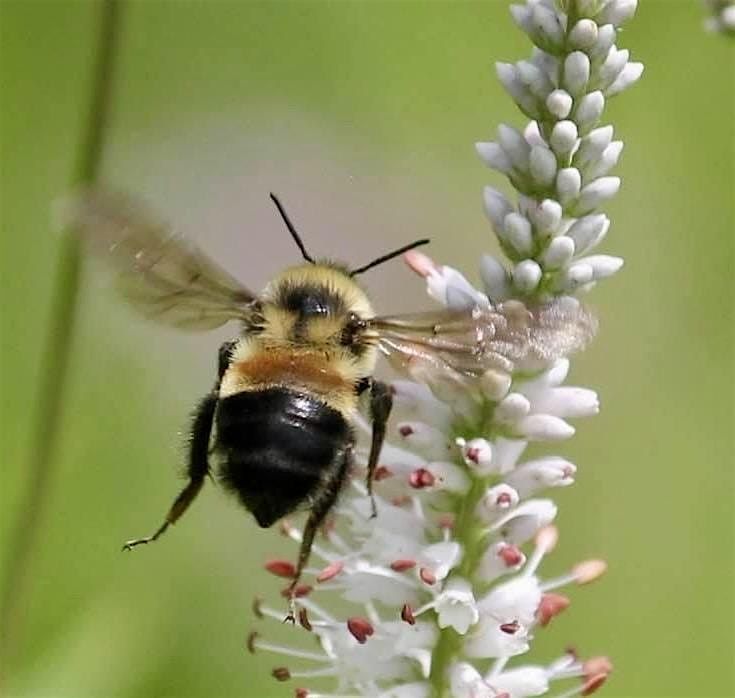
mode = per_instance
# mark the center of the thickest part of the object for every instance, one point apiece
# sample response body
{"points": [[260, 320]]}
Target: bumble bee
{"points": [[279, 417]]}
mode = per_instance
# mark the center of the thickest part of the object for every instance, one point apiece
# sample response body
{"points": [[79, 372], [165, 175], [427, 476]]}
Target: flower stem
{"points": [[57, 348], [467, 532]]}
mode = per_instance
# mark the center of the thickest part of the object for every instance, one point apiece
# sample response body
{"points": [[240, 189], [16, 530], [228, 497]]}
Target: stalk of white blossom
{"points": [[443, 590], [721, 16]]}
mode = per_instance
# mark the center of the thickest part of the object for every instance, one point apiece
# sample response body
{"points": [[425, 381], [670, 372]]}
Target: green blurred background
{"points": [[362, 115]]}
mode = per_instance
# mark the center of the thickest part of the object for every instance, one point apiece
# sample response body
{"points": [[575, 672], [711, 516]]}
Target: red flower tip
{"points": [[420, 478], [250, 642], [297, 592], [281, 568], [427, 576], [592, 684], [473, 454], [360, 628], [405, 430], [402, 565], [330, 571], [301, 693], [511, 555], [510, 628], [281, 673], [551, 605], [381, 473], [407, 615], [595, 666]]}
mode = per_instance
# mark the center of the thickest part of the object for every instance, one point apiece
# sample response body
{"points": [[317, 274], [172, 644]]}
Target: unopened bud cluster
{"points": [[442, 592], [561, 162]]}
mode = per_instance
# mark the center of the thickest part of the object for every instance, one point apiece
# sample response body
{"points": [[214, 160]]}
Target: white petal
{"points": [[532, 134], [525, 520], [517, 232], [456, 607], [449, 477], [592, 146], [466, 682], [417, 399], [494, 277], [494, 157], [508, 76], [516, 599], [527, 275], [576, 72], [548, 34], [589, 110], [513, 407], [514, 145], [499, 559], [372, 582], [566, 402], [559, 103], [588, 231], [568, 184], [408, 690], [547, 216], [628, 76], [478, 455], [497, 207], [522, 682], [441, 558], [583, 34], [496, 501], [424, 438], [606, 161], [544, 427], [506, 453], [552, 471], [603, 265], [597, 192], [564, 137], [617, 11], [606, 35], [558, 253], [542, 165], [614, 63], [495, 384]]}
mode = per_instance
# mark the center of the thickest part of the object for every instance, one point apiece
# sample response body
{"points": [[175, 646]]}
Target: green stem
{"points": [[57, 348], [470, 536]]}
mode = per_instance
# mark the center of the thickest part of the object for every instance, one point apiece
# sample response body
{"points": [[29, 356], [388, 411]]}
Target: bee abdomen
{"points": [[277, 445]]}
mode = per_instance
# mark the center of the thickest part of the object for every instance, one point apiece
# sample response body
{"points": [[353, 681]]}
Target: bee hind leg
{"points": [[320, 507], [197, 468], [381, 403]]}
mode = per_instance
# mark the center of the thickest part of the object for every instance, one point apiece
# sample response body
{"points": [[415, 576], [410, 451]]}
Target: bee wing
{"points": [[163, 275], [508, 336]]}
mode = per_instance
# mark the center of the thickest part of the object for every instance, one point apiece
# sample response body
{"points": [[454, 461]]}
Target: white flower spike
{"points": [[448, 577]]}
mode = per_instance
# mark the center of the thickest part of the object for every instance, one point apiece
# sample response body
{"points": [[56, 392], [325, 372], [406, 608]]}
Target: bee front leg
{"points": [[320, 507], [197, 468], [381, 403]]}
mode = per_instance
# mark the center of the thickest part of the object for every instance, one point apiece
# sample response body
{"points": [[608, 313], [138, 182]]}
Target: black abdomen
{"points": [[276, 445]]}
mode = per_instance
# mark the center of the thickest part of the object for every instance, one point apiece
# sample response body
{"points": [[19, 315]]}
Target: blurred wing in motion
{"points": [[165, 277], [508, 336]]}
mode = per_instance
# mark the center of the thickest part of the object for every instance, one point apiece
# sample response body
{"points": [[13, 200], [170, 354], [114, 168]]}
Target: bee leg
{"points": [[197, 469], [381, 403], [320, 507]]}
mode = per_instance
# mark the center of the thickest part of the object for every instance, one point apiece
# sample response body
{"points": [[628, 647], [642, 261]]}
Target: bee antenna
{"points": [[390, 255], [291, 229]]}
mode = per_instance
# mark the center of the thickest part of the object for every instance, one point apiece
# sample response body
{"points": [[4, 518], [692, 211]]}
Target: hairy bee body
{"points": [[289, 392]]}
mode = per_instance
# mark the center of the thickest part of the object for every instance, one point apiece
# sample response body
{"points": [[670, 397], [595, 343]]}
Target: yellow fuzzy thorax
{"points": [[304, 354]]}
